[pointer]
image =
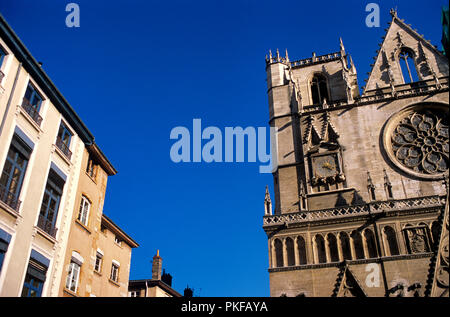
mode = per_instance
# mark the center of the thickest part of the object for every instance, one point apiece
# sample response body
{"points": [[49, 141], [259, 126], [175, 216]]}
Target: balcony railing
{"points": [[32, 111], [47, 226], [9, 198], [63, 147], [355, 210]]}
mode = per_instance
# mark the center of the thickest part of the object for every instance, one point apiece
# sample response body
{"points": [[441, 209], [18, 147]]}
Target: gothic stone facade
{"points": [[361, 206]]}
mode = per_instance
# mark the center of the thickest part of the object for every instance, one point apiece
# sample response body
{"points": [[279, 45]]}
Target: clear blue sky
{"points": [[136, 69]]}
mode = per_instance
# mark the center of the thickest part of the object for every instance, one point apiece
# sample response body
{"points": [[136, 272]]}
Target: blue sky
{"points": [[134, 70]]}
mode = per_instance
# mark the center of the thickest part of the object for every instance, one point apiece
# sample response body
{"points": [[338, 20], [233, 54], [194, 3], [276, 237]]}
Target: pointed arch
{"points": [[391, 241], [358, 245], [332, 248], [290, 252], [319, 89], [407, 63], [319, 247], [435, 232], [278, 245], [301, 247], [345, 246], [371, 246]]}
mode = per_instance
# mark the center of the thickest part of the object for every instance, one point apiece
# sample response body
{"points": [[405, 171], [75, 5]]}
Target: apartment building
{"points": [[45, 150]]}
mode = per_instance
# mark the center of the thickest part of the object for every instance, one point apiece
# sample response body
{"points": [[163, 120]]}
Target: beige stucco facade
{"points": [[95, 235]]}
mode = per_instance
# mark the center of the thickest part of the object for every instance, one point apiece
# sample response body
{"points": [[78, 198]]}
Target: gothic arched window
{"points": [[319, 89], [391, 240], [301, 245], [320, 249], [278, 245], [358, 245], [332, 248], [408, 66], [290, 252], [370, 244], [435, 232], [345, 246]]}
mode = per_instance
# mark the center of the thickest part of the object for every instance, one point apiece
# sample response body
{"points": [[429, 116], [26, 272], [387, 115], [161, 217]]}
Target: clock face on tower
{"points": [[325, 166]]}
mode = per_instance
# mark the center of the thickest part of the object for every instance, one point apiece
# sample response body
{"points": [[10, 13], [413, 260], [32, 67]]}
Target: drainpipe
{"points": [[10, 99]]}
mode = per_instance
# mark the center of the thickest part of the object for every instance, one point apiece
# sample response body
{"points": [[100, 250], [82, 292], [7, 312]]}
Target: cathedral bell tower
{"points": [[360, 178]]}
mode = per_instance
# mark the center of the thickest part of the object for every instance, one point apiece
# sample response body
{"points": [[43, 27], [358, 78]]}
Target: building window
{"points": [[370, 244], [435, 233], [290, 252], [13, 172], [32, 103], [114, 272], [2, 56], [50, 203], [301, 245], [91, 168], [4, 243], [332, 248], [63, 140], [98, 262], [73, 276], [408, 66], [320, 249], [391, 240], [117, 240], [83, 214], [278, 245], [345, 246], [319, 89], [35, 276], [358, 245], [32, 287]]}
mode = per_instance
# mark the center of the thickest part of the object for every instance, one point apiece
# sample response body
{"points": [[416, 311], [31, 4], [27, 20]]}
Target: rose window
{"points": [[420, 142]]}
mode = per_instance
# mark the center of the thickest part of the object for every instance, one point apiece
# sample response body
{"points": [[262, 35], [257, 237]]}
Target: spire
{"points": [[352, 65], [278, 55], [393, 12], [341, 44], [267, 203], [287, 56], [387, 185]]}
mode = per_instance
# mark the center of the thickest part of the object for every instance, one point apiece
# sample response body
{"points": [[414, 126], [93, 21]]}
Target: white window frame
{"points": [[73, 276], [85, 208], [114, 273], [98, 256]]}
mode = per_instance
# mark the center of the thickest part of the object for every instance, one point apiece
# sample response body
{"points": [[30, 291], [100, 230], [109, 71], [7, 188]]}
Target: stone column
{"points": [[285, 258], [296, 250]]}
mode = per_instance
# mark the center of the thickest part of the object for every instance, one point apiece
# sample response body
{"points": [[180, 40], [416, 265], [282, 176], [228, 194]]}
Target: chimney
{"points": [[156, 266]]}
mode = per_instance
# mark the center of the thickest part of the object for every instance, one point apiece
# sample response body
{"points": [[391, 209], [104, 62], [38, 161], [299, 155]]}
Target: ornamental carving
{"points": [[416, 140], [420, 142]]}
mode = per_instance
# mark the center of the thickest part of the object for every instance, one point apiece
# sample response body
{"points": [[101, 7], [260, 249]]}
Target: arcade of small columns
{"points": [[338, 246]]}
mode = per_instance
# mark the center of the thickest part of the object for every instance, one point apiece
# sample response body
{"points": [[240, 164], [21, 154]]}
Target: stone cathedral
{"points": [[360, 192]]}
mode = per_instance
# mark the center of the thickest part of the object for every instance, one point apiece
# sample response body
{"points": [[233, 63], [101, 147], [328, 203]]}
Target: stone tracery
{"points": [[420, 142]]}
